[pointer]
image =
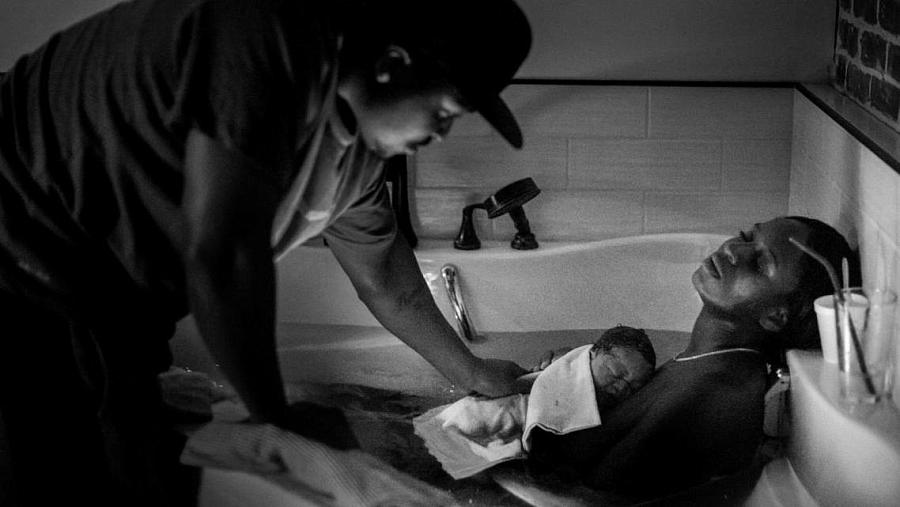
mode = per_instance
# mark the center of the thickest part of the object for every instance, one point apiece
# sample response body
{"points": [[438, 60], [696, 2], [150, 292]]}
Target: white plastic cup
{"points": [[824, 306]]}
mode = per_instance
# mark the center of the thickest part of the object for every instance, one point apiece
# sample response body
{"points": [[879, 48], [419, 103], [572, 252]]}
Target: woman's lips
{"points": [[711, 267]]}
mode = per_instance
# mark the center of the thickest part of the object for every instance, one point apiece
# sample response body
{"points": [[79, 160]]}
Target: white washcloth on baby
{"points": [[562, 398]]}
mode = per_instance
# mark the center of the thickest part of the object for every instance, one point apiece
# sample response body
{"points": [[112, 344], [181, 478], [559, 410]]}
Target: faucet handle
{"points": [[467, 239]]}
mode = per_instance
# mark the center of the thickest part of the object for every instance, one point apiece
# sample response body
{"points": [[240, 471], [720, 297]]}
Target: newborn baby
{"points": [[621, 362]]}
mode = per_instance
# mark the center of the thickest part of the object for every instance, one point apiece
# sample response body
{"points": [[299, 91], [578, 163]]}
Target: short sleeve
{"points": [[244, 82], [369, 223]]}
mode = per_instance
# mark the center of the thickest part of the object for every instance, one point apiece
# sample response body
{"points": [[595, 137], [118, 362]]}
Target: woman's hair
{"points": [[802, 330], [626, 337]]}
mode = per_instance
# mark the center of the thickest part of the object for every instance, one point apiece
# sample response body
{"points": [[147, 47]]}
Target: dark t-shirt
{"points": [[92, 133]]}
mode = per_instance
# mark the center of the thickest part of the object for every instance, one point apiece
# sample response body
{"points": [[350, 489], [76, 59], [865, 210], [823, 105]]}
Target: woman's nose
{"points": [[737, 252]]}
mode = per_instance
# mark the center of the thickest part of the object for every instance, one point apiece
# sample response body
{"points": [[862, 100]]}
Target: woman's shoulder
{"points": [[712, 377]]}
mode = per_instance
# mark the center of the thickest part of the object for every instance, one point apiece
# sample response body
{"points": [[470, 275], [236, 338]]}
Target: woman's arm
{"points": [[625, 437]]}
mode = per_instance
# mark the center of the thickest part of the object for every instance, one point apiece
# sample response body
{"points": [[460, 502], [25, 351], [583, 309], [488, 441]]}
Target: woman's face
{"points": [[755, 270]]}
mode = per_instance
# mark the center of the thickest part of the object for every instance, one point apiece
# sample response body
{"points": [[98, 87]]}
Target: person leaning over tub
{"points": [[701, 414], [156, 157], [621, 362]]}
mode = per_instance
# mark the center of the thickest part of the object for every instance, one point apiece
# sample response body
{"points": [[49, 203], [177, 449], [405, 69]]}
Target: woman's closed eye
{"points": [[759, 262]]}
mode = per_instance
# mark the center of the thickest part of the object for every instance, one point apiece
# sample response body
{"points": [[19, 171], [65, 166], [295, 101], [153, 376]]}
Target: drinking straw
{"points": [[845, 270], [840, 295]]}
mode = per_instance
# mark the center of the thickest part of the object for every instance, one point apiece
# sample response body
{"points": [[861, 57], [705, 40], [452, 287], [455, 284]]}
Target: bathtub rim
{"points": [[502, 249]]}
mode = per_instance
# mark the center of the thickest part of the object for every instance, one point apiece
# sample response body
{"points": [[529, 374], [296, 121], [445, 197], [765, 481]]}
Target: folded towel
{"points": [[562, 398], [309, 469], [335, 477]]}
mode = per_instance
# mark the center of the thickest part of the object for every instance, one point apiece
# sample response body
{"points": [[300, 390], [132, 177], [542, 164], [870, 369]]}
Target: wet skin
{"points": [[754, 270]]}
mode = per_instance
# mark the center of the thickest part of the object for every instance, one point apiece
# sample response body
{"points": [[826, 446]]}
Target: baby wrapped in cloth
{"points": [[477, 433]]}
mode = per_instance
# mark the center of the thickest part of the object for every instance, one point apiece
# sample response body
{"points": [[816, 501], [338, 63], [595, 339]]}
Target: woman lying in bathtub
{"points": [[701, 414]]}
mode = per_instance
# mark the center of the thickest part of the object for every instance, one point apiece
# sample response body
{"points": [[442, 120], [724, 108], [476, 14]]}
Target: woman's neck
{"points": [[714, 331]]}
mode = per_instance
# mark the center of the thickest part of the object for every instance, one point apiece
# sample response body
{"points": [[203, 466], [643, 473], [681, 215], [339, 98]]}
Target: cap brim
{"points": [[495, 111]]}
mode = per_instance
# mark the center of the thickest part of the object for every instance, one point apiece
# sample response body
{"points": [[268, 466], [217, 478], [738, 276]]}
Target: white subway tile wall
{"points": [[616, 161], [725, 212], [720, 113], [837, 179]]}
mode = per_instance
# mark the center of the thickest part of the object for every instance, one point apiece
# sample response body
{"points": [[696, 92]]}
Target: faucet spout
{"points": [[451, 283]]}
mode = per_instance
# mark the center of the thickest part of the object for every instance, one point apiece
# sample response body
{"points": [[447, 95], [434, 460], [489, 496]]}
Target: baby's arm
{"points": [[548, 357], [525, 382]]}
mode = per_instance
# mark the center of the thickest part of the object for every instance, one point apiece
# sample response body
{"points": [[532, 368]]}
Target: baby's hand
{"points": [[549, 357]]}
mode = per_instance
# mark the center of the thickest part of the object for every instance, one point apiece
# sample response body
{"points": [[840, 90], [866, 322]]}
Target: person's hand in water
{"points": [[548, 358], [324, 424], [497, 377]]}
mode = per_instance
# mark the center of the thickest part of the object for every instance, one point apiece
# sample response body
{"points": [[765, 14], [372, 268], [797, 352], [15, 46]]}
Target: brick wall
{"points": [[867, 56], [615, 161]]}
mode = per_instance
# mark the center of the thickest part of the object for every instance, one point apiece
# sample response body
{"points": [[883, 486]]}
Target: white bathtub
{"points": [[521, 303], [525, 303]]}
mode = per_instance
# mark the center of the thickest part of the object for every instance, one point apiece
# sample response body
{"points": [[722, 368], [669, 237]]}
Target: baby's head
{"points": [[622, 361]]}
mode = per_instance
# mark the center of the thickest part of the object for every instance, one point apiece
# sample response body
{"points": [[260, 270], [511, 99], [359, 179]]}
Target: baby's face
{"points": [[618, 373]]}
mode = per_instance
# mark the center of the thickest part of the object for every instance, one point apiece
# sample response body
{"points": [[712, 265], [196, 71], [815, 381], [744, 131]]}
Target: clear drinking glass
{"points": [[865, 339]]}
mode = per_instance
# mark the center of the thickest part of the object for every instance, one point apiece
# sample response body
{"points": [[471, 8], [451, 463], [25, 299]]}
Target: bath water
{"points": [[382, 422]]}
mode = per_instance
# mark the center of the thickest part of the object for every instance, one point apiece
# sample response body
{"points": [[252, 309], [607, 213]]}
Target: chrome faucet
{"points": [[451, 283], [508, 199]]}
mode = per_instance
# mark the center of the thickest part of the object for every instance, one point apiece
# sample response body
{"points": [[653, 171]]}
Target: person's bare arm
{"points": [[229, 269], [230, 275], [623, 439], [391, 285], [625, 464]]}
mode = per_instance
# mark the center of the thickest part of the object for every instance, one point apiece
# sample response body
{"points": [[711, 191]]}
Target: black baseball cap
{"points": [[479, 44]]}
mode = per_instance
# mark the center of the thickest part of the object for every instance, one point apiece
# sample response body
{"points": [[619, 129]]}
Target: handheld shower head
{"points": [[508, 199], [511, 196]]}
